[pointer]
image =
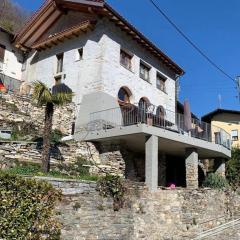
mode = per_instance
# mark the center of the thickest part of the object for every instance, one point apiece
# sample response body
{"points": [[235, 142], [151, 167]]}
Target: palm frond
{"points": [[41, 93], [62, 98]]}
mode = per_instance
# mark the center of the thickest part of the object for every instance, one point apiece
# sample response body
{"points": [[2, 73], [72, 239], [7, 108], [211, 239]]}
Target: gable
{"points": [[52, 13]]}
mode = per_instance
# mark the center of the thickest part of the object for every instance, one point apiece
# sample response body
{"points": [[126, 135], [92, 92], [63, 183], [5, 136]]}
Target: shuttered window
{"points": [[2, 52]]}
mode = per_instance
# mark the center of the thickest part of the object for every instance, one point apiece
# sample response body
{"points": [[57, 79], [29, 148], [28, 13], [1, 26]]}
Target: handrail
{"points": [[216, 230], [132, 115]]}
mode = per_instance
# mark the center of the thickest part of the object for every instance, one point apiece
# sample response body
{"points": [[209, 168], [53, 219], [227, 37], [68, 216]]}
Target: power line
{"points": [[191, 42]]}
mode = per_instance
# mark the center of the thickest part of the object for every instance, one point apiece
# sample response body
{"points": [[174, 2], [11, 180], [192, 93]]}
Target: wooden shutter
{"points": [[2, 53]]}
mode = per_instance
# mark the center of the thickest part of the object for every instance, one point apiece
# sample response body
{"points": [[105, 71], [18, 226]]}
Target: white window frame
{"points": [[235, 137], [146, 66]]}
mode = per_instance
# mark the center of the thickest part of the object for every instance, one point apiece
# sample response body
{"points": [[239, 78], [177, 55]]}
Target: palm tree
{"points": [[60, 95]]}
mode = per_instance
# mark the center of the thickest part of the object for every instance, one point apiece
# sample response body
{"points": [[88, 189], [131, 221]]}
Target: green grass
{"points": [[35, 170]]}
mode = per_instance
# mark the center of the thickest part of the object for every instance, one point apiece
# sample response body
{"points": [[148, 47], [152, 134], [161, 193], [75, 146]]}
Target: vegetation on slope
{"points": [[27, 209]]}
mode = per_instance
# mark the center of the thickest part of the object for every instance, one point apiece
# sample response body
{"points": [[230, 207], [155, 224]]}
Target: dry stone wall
{"points": [[19, 111], [164, 215]]}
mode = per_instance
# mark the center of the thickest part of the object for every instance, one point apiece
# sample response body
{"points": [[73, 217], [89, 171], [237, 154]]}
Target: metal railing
{"points": [[132, 115]]}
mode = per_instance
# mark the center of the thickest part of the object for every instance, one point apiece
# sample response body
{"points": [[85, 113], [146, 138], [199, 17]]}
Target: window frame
{"points": [[126, 95], [235, 137], [79, 54], [146, 67], [60, 58], [162, 85], [130, 57]]}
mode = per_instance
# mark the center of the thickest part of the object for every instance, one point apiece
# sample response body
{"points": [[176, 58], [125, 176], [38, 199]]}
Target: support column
{"points": [[191, 164], [162, 168], [219, 166], [151, 163]]}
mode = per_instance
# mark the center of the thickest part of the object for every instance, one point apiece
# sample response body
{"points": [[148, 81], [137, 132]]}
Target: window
{"points": [[126, 59], [24, 65], [160, 111], [161, 82], [80, 54], [2, 52], [59, 63], [234, 135], [123, 95], [144, 71], [143, 104]]}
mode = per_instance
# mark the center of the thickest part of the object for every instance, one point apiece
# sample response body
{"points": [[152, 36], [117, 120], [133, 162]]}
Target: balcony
{"points": [[130, 115], [152, 133]]}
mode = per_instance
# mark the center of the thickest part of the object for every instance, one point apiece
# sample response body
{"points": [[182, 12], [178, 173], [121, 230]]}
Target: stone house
{"points": [[10, 61], [125, 89]]}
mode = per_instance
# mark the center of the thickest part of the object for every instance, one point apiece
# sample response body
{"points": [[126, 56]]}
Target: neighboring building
{"points": [[228, 120], [124, 85], [11, 60]]}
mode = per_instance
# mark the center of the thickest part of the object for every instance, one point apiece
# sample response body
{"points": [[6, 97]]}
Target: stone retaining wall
{"points": [[167, 214], [102, 158], [20, 111]]}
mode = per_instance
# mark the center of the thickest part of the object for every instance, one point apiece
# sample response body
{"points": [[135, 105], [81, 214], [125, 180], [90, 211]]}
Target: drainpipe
{"points": [[177, 90]]}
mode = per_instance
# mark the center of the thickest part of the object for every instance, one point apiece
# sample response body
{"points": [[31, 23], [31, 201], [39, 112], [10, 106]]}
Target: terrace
{"points": [[152, 132]]}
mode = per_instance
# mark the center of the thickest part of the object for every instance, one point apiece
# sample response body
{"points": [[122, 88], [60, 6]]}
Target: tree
{"points": [[12, 15], [60, 95], [233, 168]]}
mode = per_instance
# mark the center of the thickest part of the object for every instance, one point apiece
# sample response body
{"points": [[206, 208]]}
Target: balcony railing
{"points": [[133, 115]]}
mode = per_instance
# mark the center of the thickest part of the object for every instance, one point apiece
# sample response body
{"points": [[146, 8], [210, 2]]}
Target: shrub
{"points": [[56, 136], [233, 168], [25, 169], [112, 186], [79, 168], [216, 181], [26, 209]]}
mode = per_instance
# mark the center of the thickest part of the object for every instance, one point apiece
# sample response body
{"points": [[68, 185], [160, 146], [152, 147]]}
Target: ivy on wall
{"points": [[112, 186], [27, 209]]}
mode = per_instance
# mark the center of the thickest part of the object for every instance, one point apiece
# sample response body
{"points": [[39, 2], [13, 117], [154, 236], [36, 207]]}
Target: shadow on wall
{"points": [[71, 44], [55, 151]]}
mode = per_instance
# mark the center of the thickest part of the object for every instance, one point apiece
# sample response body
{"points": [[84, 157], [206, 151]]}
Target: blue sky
{"points": [[212, 25]]}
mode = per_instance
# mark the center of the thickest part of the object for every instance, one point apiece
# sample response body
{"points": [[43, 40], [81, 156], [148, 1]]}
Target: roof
{"points": [[52, 10], [209, 116], [67, 33]]}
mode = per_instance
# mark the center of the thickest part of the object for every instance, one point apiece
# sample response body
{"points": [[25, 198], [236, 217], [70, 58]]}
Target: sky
{"points": [[212, 25]]}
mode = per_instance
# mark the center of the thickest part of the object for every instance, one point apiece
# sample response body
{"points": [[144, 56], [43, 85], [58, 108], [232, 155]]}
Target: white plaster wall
{"points": [[82, 76], [12, 64], [100, 68], [114, 75]]}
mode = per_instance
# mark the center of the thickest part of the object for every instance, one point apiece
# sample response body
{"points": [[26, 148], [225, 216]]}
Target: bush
{"points": [[112, 186], [25, 169], [26, 209], [216, 181], [31, 169], [79, 168], [233, 168]]}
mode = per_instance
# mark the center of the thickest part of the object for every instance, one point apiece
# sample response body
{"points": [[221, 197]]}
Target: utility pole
{"points": [[238, 87], [219, 101]]}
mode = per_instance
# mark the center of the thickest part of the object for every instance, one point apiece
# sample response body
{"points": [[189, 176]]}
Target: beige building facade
{"points": [[229, 120]]}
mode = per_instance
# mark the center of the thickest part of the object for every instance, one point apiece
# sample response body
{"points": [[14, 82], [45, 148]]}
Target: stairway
{"points": [[220, 229]]}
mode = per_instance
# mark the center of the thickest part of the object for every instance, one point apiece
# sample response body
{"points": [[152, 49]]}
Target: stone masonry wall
{"points": [[165, 215], [102, 158], [20, 111]]}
